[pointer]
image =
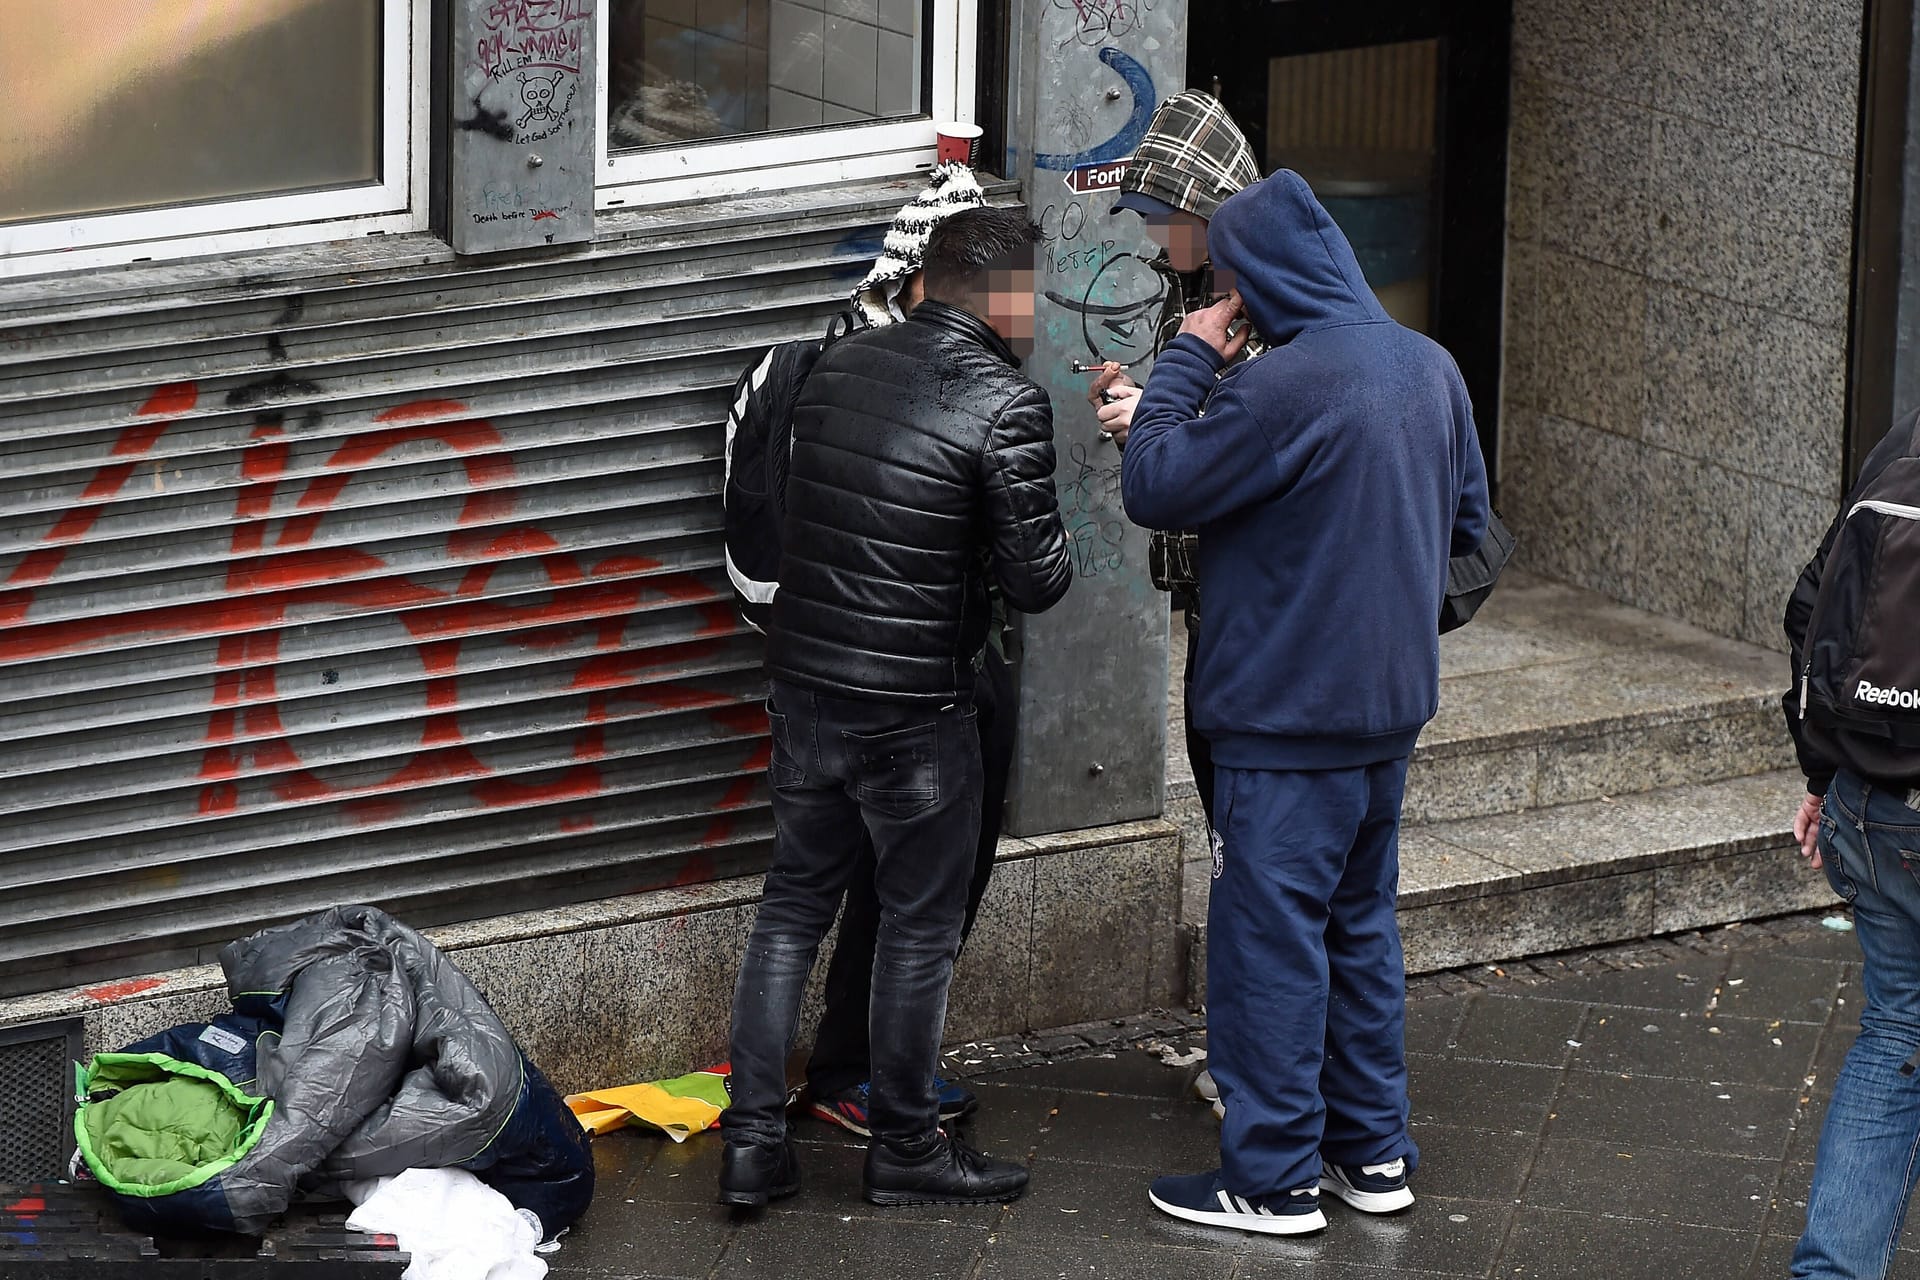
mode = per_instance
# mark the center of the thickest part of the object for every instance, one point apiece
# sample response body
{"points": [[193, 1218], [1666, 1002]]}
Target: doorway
{"points": [[1395, 111]]}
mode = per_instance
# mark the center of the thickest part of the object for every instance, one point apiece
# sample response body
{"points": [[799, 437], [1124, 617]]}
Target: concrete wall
{"points": [[1681, 212], [1074, 927]]}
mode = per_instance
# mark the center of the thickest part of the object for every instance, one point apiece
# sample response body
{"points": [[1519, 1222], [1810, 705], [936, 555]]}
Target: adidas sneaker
{"points": [[1204, 1198], [1370, 1188]]}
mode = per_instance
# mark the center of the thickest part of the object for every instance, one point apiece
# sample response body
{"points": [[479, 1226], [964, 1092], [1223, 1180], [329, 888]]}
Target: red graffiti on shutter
{"points": [[282, 570]]}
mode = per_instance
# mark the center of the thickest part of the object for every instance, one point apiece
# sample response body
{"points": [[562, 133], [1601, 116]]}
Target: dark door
{"points": [[1396, 112]]}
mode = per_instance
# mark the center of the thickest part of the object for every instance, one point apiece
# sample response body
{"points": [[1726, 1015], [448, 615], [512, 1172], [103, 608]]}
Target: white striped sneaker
{"points": [[1204, 1198], [1370, 1188]]}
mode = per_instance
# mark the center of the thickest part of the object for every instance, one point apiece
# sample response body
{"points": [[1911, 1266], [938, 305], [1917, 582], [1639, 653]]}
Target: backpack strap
{"points": [[839, 326]]}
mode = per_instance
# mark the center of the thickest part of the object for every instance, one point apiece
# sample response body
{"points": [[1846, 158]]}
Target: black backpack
{"points": [[1861, 662], [1470, 578], [759, 447]]}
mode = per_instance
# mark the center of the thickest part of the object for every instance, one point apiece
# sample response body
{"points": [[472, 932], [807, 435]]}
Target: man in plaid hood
{"points": [[1191, 160]]}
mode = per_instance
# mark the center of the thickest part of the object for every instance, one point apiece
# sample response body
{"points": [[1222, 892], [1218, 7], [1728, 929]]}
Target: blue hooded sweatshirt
{"points": [[1330, 480]]}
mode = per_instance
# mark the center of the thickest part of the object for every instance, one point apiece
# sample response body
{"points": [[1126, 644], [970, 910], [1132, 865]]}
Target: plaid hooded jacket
{"points": [[1193, 157]]}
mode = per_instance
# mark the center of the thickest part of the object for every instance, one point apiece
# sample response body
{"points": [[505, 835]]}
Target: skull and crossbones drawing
{"points": [[538, 93]]}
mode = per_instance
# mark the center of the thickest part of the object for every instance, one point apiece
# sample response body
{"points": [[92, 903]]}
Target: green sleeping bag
{"points": [[152, 1125]]}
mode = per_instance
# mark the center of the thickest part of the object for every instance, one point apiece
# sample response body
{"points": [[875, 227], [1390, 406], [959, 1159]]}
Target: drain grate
{"points": [[36, 1099]]}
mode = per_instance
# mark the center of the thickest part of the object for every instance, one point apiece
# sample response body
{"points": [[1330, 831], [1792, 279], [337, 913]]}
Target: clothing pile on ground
{"points": [[354, 1053]]}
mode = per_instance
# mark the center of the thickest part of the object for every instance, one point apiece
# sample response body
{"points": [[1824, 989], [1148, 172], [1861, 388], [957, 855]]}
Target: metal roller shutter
{"points": [[402, 585]]}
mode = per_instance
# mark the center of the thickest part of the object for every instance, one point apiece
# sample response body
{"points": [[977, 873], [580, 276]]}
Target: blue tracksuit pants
{"points": [[1306, 984]]}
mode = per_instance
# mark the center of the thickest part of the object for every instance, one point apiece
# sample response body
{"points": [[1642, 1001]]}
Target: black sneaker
{"points": [[1371, 1188], [1204, 1198], [950, 1172], [750, 1176]]}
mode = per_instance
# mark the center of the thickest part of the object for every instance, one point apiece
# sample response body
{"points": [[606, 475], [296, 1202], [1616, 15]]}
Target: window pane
{"points": [[681, 70], [128, 104], [1360, 126]]}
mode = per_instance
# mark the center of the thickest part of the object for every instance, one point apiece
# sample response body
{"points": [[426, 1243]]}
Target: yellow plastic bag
{"points": [[679, 1108]]}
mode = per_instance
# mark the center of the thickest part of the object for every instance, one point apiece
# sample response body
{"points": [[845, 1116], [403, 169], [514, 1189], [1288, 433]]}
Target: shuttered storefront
{"points": [[399, 584]]}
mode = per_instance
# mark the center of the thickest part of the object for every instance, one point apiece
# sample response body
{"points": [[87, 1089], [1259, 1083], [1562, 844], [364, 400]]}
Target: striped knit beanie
{"points": [[950, 188]]}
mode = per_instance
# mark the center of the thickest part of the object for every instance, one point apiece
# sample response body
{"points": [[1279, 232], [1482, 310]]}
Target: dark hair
{"points": [[965, 246]]}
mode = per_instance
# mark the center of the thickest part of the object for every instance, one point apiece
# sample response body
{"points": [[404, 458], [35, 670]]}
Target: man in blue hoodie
{"points": [[1330, 479]]}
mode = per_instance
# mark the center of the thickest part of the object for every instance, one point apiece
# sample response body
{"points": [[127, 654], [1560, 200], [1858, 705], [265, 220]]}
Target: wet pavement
{"points": [[1644, 1112]]}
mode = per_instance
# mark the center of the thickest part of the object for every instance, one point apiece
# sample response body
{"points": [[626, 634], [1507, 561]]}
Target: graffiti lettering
{"points": [[524, 35], [1080, 259], [1117, 308], [1059, 223], [522, 215], [1097, 21], [1089, 495], [1097, 546], [1063, 225], [1093, 487], [541, 15], [281, 576]]}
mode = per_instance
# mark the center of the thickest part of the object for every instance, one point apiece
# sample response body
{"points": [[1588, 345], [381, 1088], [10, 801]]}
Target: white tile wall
{"points": [[899, 74], [853, 65], [857, 57], [797, 49], [900, 15], [792, 110]]}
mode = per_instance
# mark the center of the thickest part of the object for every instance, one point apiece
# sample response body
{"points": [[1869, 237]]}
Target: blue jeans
{"points": [[846, 772], [1306, 983], [1870, 1146]]}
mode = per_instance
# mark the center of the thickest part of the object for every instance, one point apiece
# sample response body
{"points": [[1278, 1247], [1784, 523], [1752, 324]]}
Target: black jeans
{"points": [[1199, 750], [911, 777], [840, 1058]]}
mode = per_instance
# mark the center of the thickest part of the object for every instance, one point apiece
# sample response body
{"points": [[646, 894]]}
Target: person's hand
{"points": [[1214, 326], [1110, 385], [1806, 829], [1116, 416], [1110, 375]]}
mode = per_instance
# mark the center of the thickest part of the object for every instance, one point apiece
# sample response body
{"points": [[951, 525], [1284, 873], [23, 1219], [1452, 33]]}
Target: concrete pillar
{"points": [[1085, 76]]}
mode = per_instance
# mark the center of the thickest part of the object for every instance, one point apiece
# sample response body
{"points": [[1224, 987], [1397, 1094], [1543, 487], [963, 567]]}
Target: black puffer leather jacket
{"points": [[922, 461]]}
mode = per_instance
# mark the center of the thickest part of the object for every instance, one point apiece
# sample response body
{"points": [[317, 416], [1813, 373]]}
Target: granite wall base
{"points": [[1536, 917], [1075, 927]]}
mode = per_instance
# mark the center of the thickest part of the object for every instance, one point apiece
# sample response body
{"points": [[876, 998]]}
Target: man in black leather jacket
{"points": [[917, 446]]}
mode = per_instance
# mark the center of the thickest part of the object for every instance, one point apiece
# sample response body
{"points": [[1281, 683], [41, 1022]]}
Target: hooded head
{"points": [[1192, 157], [950, 188], [1293, 266]]}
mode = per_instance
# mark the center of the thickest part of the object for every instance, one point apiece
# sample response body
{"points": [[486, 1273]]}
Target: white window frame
{"points": [[796, 158], [395, 203]]}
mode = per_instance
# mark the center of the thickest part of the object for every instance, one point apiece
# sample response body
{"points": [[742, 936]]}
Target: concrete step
{"points": [[1496, 887], [1554, 696]]}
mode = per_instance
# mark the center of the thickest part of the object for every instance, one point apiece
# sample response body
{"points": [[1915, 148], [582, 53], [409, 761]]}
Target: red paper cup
{"points": [[957, 142]]}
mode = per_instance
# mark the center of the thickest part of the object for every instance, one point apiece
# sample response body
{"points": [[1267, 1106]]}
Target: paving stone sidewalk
{"points": [[1642, 1111]]}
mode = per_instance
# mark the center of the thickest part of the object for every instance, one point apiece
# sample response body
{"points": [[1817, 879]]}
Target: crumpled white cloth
{"points": [[455, 1226]]}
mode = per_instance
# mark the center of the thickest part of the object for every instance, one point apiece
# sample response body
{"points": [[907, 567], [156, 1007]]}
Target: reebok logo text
{"points": [[1906, 699]]}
